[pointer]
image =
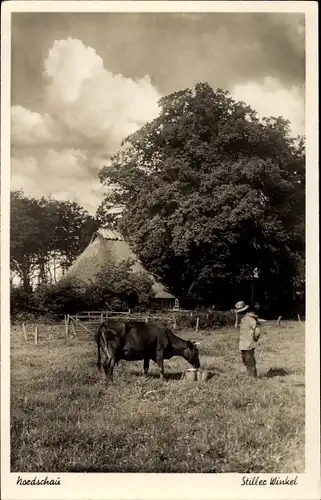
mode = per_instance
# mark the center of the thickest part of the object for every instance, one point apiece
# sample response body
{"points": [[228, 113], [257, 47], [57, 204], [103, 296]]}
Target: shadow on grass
{"points": [[275, 372], [168, 375], [172, 375]]}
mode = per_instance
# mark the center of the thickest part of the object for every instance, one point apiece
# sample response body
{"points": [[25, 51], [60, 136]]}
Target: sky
{"points": [[82, 82]]}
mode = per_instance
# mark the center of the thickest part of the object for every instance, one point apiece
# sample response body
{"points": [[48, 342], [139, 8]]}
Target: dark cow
{"points": [[135, 340]]}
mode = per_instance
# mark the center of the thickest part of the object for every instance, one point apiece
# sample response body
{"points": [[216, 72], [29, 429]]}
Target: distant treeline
{"points": [[46, 236]]}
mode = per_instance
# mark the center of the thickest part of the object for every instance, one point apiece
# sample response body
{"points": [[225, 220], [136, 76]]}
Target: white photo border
{"points": [[171, 486]]}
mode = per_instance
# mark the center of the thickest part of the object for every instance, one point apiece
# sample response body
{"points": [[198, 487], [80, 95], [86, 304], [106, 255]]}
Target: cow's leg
{"points": [[160, 362], [106, 367], [112, 363], [98, 358], [146, 365], [109, 367]]}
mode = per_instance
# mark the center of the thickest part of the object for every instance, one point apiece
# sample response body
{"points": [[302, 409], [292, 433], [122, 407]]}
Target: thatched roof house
{"points": [[108, 246]]}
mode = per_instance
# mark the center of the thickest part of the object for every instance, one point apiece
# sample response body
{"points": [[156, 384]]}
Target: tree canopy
{"points": [[213, 199]]}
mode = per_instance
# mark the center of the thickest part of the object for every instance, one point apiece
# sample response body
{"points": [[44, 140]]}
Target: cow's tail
{"points": [[101, 344], [98, 337], [105, 345]]}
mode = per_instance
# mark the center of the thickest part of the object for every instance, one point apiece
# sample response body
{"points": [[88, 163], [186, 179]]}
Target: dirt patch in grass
{"points": [[66, 418]]}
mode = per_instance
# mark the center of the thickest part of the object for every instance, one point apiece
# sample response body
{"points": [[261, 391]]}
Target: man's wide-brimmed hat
{"points": [[240, 306]]}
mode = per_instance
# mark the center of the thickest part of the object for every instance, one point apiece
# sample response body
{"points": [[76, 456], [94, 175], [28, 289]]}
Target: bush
{"points": [[19, 300], [119, 288], [115, 288], [207, 319], [23, 306], [216, 319], [64, 297], [27, 307], [29, 318]]}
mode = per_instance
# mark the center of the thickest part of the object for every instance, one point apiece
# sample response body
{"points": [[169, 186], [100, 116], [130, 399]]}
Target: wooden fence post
{"points": [[73, 327], [36, 334], [49, 331], [236, 321], [174, 324], [299, 319], [279, 320], [197, 323], [101, 317], [66, 326], [24, 332]]}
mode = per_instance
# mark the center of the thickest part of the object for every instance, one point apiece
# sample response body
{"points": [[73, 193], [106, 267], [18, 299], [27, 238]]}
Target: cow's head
{"points": [[191, 354]]}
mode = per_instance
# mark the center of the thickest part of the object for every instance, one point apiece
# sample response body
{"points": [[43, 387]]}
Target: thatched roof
{"points": [[107, 234], [108, 246]]}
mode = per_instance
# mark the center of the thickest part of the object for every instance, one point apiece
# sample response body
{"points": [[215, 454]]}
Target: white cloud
{"points": [[100, 106], [271, 99], [29, 128], [89, 111], [63, 175], [68, 65]]}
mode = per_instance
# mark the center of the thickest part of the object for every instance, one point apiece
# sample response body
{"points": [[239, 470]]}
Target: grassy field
{"points": [[65, 418]]}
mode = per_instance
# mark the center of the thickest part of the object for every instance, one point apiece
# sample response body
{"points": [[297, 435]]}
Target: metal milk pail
{"points": [[191, 374], [206, 375]]}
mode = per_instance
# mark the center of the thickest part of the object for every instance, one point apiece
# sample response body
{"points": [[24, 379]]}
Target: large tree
{"points": [[213, 198]]}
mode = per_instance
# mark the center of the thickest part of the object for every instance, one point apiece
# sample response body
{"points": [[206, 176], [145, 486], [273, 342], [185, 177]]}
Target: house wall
{"points": [[162, 304]]}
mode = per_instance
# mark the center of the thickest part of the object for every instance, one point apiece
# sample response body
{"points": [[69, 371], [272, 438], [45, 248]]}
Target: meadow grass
{"points": [[66, 418]]}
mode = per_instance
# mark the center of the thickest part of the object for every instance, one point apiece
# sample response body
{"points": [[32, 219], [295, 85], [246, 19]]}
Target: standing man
{"points": [[249, 335]]}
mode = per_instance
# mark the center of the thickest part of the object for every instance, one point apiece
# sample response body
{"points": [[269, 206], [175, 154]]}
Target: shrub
{"points": [[19, 300], [118, 288], [115, 288], [64, 297], [208, 320], [23, 306]]}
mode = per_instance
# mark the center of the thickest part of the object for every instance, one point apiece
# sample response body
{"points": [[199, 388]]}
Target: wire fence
{"points": [[83, 325]]}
